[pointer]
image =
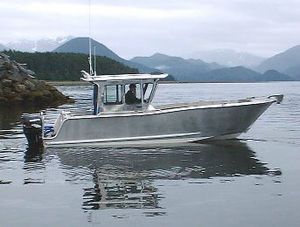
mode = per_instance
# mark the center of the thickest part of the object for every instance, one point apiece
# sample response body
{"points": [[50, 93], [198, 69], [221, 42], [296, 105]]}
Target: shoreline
{"points": [[68, 83], [84, 83]]}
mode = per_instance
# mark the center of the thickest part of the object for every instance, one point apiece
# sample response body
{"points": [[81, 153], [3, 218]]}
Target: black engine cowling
{"points": [[33, 130]]}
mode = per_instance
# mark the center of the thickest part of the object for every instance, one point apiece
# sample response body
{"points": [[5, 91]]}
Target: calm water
{"points": [[251, 182]]}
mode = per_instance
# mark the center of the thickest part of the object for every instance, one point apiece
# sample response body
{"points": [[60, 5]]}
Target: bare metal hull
{"points": [[179, 124]]}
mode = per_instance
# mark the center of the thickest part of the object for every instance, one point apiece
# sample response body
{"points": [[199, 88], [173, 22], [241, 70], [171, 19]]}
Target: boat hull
{"points": [[170, 125]]}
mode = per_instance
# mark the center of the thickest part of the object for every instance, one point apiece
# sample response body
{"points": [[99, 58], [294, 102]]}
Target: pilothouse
{"points": [[127, 92]]}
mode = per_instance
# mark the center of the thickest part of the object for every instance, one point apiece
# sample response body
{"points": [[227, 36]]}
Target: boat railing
{"points": [[59, 120], [201, 103], [182, 105]]}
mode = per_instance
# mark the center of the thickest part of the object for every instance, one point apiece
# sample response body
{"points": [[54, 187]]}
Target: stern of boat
{"points": [[33, 129]]}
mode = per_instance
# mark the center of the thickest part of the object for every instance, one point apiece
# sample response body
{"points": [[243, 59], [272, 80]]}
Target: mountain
{"points": [[273, 75], [232, 74], [287, 62], [42, 45], [81, 45], [240, 74], [294, 72], [2, 47], [181, 69], [228, 57], [198, 70]]}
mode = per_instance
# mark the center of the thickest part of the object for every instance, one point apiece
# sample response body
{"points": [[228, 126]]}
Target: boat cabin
{"points": [[125, 92]]}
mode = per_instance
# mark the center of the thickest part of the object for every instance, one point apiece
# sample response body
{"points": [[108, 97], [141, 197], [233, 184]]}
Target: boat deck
{"points": [[201, 103], [167, 107]]}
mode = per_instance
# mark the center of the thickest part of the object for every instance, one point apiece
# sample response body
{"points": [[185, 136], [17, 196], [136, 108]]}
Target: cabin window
{"points": [[113, 94], [147, 89]]}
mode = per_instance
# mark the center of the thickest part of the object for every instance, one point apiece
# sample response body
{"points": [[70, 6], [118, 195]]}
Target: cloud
{"points": [[174, 27]]}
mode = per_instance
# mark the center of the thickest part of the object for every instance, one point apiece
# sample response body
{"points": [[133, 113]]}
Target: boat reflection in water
{"points": [[33, 154], [124, 177]]}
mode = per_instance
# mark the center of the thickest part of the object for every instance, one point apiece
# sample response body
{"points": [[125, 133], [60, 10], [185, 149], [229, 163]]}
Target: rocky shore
{"points": [[18, 87]]}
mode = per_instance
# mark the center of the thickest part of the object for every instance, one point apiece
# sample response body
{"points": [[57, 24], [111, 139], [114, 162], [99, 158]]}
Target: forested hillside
{"points": [[65, 66]]}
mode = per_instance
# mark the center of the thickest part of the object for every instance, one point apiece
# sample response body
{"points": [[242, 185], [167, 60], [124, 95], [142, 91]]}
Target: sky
{"points": [[175, 27]]}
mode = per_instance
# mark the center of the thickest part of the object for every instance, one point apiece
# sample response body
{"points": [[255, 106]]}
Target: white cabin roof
{"points": [[121, 77]]}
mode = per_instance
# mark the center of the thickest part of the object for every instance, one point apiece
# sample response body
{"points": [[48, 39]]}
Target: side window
{"points": [[113, 94], [147, 89], [133, 93]]}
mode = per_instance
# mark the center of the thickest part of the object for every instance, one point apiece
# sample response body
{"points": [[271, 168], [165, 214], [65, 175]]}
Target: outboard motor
{"points": [[33, 128]]}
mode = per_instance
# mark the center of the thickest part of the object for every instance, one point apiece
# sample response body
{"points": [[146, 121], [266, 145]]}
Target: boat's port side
{"points": [[190, 124]]}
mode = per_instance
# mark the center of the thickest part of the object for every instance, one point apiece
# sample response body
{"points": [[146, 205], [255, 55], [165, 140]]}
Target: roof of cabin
{"points": [[87, 77]]}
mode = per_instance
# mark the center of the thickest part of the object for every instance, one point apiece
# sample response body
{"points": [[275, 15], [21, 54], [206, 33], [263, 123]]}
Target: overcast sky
{"points": [[176, 27]]}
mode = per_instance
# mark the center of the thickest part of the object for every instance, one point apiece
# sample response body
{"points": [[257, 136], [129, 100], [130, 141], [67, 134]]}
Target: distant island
{"points": [[65, 66]]}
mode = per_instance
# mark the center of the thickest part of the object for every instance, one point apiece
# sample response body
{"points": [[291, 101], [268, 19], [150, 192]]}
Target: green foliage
{"points": [[65, 66]]}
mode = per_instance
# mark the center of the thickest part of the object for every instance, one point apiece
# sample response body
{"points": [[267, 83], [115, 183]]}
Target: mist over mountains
{"points": [[228, 57], [181, 69], [42, 45], [2, 47]]}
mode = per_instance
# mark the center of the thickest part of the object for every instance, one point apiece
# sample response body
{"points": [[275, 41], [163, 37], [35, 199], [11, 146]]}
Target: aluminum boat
{"points": [[118, 120]]}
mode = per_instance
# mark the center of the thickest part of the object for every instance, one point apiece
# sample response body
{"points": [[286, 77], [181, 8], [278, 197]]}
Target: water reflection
{"points": [[10, 119], [34, 166], [33, 154], [123, 177], [111, 192]]}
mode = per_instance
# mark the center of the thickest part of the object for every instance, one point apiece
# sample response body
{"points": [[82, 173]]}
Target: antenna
{"points": [[95, 65], [90, 45]]}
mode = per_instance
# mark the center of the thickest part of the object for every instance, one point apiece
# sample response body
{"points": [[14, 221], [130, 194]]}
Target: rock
{"points": [[26, 72], [14, 76], [6, 82], [17, 99], [2, 74], [28, 84], [11, 95], [4, 57], [6, 91], [3, 100], [7, 66], [19, 88]]}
